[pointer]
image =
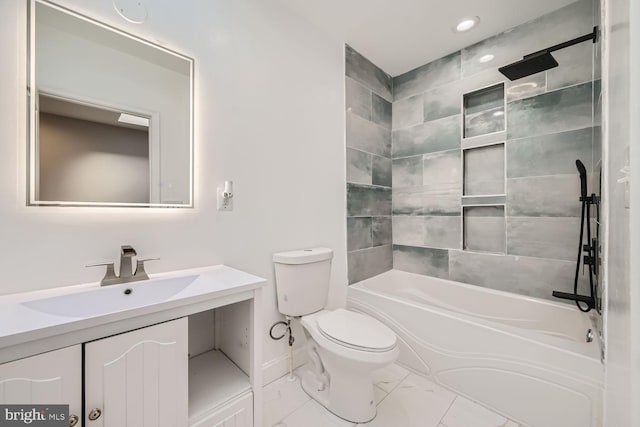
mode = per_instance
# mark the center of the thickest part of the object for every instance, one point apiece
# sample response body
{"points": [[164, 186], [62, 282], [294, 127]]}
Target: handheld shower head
{"points": [[587, 253], [583, 178]]}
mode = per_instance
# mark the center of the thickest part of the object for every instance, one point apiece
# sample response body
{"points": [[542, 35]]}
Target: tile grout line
{"points": [[570, 130], [367, 152], [372, 187], [352, 114], [439, 151], [366, 85], [476, 74], [378, 404], [427, 121], [447, 411], [399, 382], [294, 410]]}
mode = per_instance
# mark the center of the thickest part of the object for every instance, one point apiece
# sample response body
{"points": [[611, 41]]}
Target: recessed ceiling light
{"points": [[467, 23], [133, 120], [522, 88], [498, 113], [486, 58]]}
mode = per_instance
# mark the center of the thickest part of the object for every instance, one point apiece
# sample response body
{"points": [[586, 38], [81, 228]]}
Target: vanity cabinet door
{"points": [[49, 378], [138, 379]]}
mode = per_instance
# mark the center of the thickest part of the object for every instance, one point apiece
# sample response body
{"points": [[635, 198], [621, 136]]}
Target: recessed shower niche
{"points": [[484, 111], [484, 229], [483, 218], [483, 170], [483, 166]]}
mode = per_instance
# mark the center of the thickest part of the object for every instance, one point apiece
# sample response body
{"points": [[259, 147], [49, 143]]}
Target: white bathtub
{"points": [[523, 357]]}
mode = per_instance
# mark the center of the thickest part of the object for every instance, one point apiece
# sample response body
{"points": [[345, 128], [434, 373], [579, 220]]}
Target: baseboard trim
{"points": [[279, 366]]}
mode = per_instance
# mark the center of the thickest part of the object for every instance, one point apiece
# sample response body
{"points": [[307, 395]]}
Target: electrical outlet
{"points": [[224, 203], [244, 341]]}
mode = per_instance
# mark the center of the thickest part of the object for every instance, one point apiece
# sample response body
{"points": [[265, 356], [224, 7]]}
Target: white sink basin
{"points": [[110, 299]]}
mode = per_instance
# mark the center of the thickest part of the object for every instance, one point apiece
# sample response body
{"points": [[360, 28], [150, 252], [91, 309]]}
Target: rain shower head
{"points": [[542, 60], [530, 64]]}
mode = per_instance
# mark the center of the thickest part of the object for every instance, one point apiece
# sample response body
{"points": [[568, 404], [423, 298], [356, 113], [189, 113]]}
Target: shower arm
{"points": [[593, 36]]}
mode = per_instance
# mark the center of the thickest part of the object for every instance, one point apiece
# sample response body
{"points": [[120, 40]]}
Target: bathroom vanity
{"points": [[179, 349], [153, 353]]}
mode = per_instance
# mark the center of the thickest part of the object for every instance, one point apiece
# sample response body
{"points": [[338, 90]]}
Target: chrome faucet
{"points": [[127, 253]]}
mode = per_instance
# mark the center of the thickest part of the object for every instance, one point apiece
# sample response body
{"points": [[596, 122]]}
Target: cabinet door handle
{"points": [[95, 414], [73, 420]]}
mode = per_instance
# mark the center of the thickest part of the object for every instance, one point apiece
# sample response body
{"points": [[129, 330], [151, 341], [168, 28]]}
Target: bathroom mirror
{"points": [[110, 115]]}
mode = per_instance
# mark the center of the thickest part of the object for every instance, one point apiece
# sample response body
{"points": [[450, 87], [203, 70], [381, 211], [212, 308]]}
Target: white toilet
{"points": [[344, 347]]}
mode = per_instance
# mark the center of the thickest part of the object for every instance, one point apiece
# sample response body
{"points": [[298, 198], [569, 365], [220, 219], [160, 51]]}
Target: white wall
{"points": [[269, 116], [621, 127]]}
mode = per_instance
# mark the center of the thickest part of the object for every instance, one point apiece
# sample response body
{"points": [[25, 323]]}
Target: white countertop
{"points": [[21, 324]]}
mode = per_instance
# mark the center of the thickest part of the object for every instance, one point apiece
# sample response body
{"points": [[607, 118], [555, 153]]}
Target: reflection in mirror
{"points": [[110, 115], [91, 153]]}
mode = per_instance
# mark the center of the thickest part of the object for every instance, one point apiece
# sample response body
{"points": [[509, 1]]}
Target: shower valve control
{"points": [[590, 257]]}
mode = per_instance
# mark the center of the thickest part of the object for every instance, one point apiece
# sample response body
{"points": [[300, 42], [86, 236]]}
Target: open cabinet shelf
{"points": [[214, 380]]}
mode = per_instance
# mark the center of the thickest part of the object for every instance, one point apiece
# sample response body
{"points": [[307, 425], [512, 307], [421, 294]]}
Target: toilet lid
{"points": [[356, 330]]}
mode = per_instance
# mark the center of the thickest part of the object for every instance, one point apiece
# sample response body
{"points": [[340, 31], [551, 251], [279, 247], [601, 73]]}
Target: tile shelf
{"points": [[484, 200], [484, 140]]}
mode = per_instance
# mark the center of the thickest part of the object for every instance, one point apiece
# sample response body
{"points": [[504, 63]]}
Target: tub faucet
{"points": [[126, 268]]}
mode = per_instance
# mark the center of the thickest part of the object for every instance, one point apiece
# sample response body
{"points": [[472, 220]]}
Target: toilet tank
{"points": [[302, 280]]}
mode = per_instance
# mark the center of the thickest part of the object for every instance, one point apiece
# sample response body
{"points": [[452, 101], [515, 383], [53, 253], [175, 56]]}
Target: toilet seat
{"points": [[356, 331]]}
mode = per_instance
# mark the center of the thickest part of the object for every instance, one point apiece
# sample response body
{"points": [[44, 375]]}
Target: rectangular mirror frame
{"points": [[32, 132]]}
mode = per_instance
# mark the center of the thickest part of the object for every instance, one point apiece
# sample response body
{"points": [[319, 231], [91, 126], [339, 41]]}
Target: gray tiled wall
{"points": [[407, 133], [528, 242], [369, 169]]}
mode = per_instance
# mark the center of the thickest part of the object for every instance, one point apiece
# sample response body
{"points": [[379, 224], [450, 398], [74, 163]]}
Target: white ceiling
{"points": [[75, 110], [400, 35]]}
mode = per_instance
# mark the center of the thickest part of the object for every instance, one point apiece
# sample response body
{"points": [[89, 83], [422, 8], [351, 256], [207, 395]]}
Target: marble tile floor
{"points": [[404, 399]]}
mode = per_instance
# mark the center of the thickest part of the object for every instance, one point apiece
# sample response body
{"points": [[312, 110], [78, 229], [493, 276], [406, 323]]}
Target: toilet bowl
{"points": [[344, 349]]}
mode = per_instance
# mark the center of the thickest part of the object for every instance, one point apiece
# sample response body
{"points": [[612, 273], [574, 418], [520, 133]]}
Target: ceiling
{"points": [[400, 35], [75, 110], [53, 17]]}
